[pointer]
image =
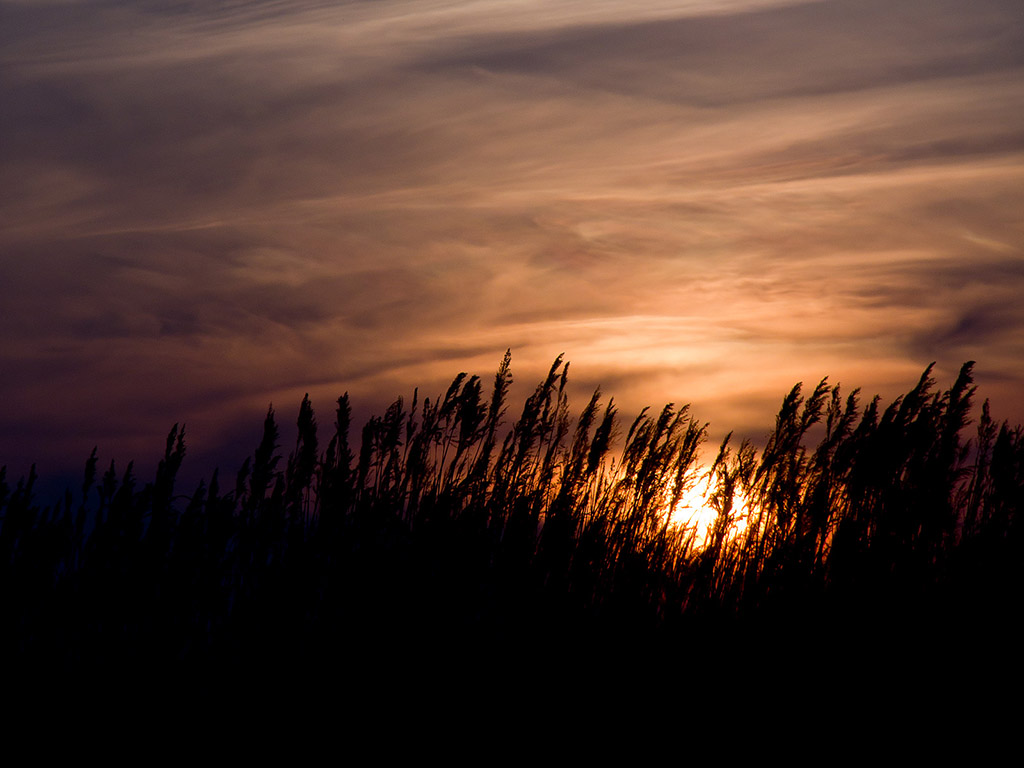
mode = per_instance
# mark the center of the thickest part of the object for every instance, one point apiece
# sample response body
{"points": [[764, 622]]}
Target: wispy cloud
{"points": [[205, 209]]}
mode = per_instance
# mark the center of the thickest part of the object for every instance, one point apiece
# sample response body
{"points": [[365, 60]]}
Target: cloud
{"points": [[206, 209]]}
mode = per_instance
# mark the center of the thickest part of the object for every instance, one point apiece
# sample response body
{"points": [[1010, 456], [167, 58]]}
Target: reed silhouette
{"points": [[455, 531]]}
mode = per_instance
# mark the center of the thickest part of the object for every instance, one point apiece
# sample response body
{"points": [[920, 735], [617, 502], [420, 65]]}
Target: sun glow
{"points": [[696, 511]]}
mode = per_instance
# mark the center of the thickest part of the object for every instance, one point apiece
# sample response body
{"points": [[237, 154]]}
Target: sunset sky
{"points": [[209, 207]]}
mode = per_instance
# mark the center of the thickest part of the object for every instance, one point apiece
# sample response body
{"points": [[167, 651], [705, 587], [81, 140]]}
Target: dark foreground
{"points": [[449, 545]]}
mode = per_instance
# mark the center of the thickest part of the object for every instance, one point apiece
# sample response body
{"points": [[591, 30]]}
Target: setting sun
{"points": [[697, 511]]}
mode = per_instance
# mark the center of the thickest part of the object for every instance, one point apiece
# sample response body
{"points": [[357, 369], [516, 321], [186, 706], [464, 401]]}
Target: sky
{"points": [[206, 208]]}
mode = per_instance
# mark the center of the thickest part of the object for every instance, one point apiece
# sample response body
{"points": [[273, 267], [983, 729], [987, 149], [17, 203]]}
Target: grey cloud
{"points": [[976, 327], [793, 51]]}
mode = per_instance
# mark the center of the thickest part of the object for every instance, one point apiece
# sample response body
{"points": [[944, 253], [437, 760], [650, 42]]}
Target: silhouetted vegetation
{"points": [[451, 528]]}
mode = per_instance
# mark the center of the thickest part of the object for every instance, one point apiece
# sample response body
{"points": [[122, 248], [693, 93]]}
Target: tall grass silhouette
{"points": [[447, 519]]}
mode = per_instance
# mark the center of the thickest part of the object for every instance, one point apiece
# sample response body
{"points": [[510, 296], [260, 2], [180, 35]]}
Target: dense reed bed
{"points": [[447, 526]]}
